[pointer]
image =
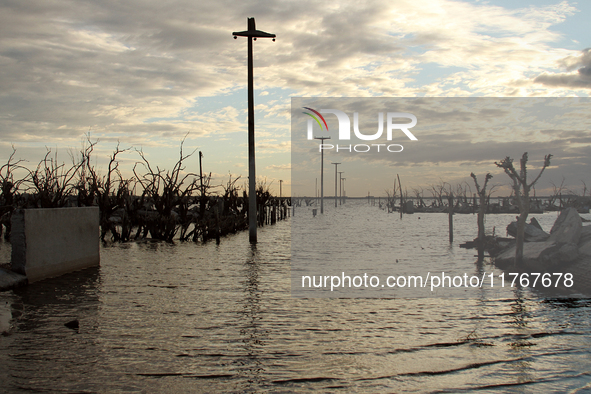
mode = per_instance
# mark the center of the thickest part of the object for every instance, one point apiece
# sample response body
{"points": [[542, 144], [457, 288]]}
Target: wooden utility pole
{"points": [[401, 196], [251, 33], [336, 166], [450, 200], [321, 172], [341, 187]]}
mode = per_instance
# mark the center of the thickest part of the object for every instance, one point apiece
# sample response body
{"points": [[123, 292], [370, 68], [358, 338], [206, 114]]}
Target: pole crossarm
{"points": [[253, 32]]}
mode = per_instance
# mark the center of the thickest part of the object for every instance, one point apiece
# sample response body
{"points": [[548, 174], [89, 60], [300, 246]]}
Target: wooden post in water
{"points": [[201, 172], [451, 217]]}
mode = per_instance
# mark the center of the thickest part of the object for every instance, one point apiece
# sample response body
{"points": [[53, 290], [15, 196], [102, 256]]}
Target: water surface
{"points": [[220, 318]]}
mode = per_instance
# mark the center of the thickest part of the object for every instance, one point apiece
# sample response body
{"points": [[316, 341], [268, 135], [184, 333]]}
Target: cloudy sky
{"points": [[146, 73]]}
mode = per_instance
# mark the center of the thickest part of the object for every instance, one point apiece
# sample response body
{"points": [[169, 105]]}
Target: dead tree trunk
{"points": [[521, 189], [481, 212]]}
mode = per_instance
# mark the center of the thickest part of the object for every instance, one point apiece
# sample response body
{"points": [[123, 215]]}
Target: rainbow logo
{"points": [[315, 118]]}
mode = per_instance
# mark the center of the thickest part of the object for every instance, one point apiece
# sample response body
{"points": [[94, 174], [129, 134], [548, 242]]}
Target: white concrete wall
{"points": [[51, 242]]}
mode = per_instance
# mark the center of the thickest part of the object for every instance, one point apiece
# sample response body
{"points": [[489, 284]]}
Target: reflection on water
{"points": [[219, 318]]}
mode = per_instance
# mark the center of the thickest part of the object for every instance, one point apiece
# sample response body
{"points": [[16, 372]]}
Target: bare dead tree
{"points": [[52, 182], [165, 191], [438, 191], [521, 188], [263, 197], [585, 201], [483, 205], [390, 198], [232, 202], [86, 184], [234, 208], [107, 200], [9, 186], [418, 193], [127, 207], [461, 192], [557, 192], [200, 216]]}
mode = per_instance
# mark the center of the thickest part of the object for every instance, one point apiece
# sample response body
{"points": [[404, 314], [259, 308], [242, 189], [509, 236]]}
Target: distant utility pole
{"points": [[341, 187], [322, 172], [280, 188], [251, 33], [336, 165]]}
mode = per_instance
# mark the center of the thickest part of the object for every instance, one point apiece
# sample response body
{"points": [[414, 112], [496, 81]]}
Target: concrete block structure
{"points": [[54, 241]]}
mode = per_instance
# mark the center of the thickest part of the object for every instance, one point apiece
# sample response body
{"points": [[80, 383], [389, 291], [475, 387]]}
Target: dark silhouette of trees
{"points": [[9, 186]]}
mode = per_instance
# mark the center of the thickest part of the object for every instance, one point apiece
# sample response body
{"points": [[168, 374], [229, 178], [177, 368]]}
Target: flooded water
{"points": [[220, 318]]}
